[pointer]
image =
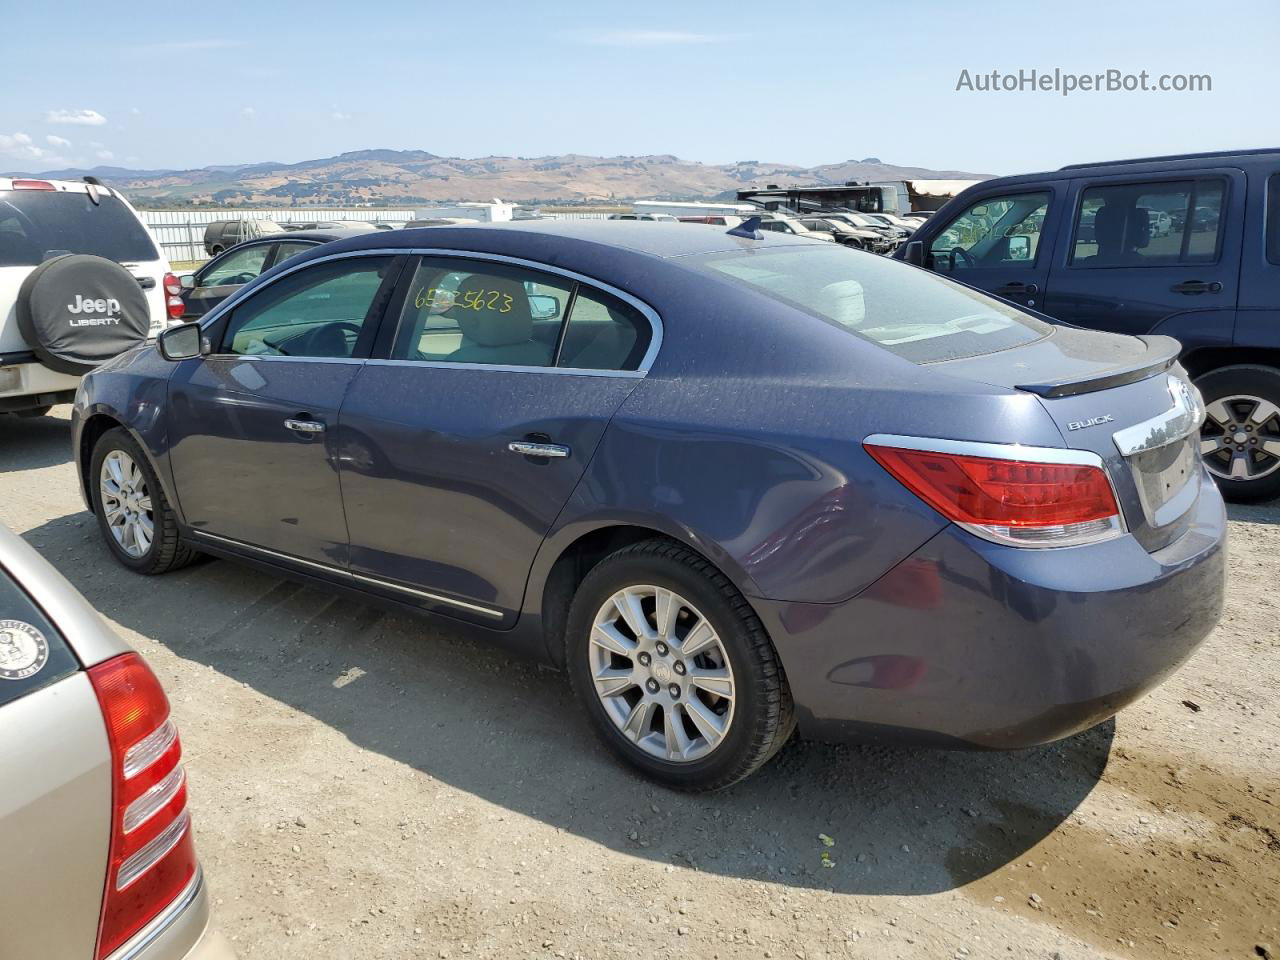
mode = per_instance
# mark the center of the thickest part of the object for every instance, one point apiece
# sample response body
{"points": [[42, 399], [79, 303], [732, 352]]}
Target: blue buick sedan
{"points": [[734, 483]]}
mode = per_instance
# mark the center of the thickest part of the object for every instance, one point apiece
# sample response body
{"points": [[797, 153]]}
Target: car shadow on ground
{"points": [[463, 712], [1265, 513], [31, 443]]}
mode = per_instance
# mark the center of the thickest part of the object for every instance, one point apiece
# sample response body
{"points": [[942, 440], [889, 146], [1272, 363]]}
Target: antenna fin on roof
{"points": [[748, 229]]}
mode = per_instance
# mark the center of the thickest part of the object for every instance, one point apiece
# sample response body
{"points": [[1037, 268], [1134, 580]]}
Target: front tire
{"points": [[674, 668], [1240, 439], [135, 518]]}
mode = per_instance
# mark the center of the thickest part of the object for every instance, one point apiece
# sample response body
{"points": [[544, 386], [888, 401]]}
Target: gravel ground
{"points": [[370, 785]]}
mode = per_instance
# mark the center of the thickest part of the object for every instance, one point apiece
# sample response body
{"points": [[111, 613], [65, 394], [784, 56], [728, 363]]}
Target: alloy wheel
{"points": [[1240, 438], [661, 673], [126, 504]]}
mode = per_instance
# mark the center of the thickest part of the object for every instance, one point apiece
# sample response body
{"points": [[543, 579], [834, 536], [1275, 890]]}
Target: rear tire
{"points": [[1243, 426], [710, 717], [139, 526]]}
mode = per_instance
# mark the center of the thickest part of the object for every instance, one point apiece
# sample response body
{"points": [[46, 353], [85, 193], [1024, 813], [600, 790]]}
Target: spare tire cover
{"points": [[78, 311]]}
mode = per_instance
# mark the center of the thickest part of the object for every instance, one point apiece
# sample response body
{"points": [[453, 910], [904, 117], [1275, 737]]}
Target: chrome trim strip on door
{"points": [[655, 322], [363, 578]]}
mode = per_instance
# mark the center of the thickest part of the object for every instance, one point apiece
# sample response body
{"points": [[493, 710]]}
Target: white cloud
{"points": [[249, 112], [645, 38], [339, 117], [134, 111], [105, 155], [20, 146], [80, 118], [57, 141]]}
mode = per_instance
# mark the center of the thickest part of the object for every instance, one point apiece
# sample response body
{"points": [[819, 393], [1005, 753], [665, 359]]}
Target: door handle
{"points": [[528, 449], [1197, 286], [1028, 289], [305, 426]]}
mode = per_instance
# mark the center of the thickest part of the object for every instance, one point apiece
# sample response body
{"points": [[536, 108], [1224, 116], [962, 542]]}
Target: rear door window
{"points": [[36, 225], [1150, 224], [466, 311]]}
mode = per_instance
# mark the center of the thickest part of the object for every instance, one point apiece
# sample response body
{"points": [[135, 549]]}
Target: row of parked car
{"points": [[873, 232]]}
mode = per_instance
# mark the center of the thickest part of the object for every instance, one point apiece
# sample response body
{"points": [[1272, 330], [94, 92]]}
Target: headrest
{"points": [[492, 311], [1122, 228]]}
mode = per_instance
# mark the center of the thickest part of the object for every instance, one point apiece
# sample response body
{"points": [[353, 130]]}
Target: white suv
{"points": [[81, 280]]}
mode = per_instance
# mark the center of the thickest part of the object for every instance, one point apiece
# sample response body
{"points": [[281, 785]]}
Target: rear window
{"points": [[36, 225], [912, 313], [32, 652]]}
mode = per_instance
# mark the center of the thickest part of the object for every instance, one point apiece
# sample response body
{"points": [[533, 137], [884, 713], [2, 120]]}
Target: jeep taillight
{"points": [[33, 185], [173, 302], [152, 857], [1024, 496]]}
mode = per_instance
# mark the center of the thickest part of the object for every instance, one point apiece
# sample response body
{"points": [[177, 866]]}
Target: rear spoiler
{"points": [[1163, 354]]}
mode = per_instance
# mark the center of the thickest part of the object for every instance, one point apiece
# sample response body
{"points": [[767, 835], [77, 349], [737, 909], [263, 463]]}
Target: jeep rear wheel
{"points": [[1240, 438]]}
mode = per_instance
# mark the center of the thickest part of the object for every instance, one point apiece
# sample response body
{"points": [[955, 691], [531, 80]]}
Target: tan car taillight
{"points": [[152, 857]]}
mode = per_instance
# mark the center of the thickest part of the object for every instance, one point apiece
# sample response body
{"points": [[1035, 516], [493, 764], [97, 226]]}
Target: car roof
{"points": [[1137, 165], [547, 240], [316, 236]]}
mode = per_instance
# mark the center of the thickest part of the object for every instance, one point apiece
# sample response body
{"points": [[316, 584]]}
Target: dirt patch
{"points": [[374, 786]]}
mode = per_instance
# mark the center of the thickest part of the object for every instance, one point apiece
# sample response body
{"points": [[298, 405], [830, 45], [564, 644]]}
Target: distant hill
{"points": [[414, 176]]}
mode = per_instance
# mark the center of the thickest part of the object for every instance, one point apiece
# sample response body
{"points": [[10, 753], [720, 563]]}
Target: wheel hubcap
{"points": [[661, 673], [126, 504], [1240, 439]]}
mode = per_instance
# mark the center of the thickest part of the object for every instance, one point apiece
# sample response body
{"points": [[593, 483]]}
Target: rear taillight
{"points": [[173, 302], [33, 185], [152, 857], [1026, 496]]}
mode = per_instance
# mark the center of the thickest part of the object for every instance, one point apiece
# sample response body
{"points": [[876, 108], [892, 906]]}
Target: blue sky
{"points": [[184, 85]]}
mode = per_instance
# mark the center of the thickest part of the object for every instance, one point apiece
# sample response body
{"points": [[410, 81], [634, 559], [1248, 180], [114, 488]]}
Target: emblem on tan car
{"points": [[23, 650]]}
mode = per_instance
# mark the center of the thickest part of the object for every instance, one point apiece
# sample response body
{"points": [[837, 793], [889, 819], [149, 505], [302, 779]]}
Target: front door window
{"points": [[1001, 232], [317, 312]]}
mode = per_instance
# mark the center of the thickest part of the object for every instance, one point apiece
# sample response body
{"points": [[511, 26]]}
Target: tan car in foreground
{"points": [[97, 860]]}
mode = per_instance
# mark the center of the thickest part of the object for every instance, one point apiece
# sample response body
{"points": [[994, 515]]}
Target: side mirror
{"points": [[182, 342], [543, 307], [1020, 247], [188, 281], [915, 253]]}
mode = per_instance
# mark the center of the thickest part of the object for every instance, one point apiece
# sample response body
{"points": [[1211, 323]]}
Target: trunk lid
{"points": [[1123, 398]]}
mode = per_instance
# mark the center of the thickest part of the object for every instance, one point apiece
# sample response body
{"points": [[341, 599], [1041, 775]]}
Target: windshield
{"points": [[912, 313], [36, 225]]}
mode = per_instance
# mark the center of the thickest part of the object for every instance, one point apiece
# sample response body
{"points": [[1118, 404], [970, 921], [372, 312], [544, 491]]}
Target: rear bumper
{"points": [[25, 385], [183, 931], [967, 643]]}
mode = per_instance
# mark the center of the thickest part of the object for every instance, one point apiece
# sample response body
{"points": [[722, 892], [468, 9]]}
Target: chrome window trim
{"points": [[1185, 416], [651, 315], [351, 575], [997, 451], [137, 946]]}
